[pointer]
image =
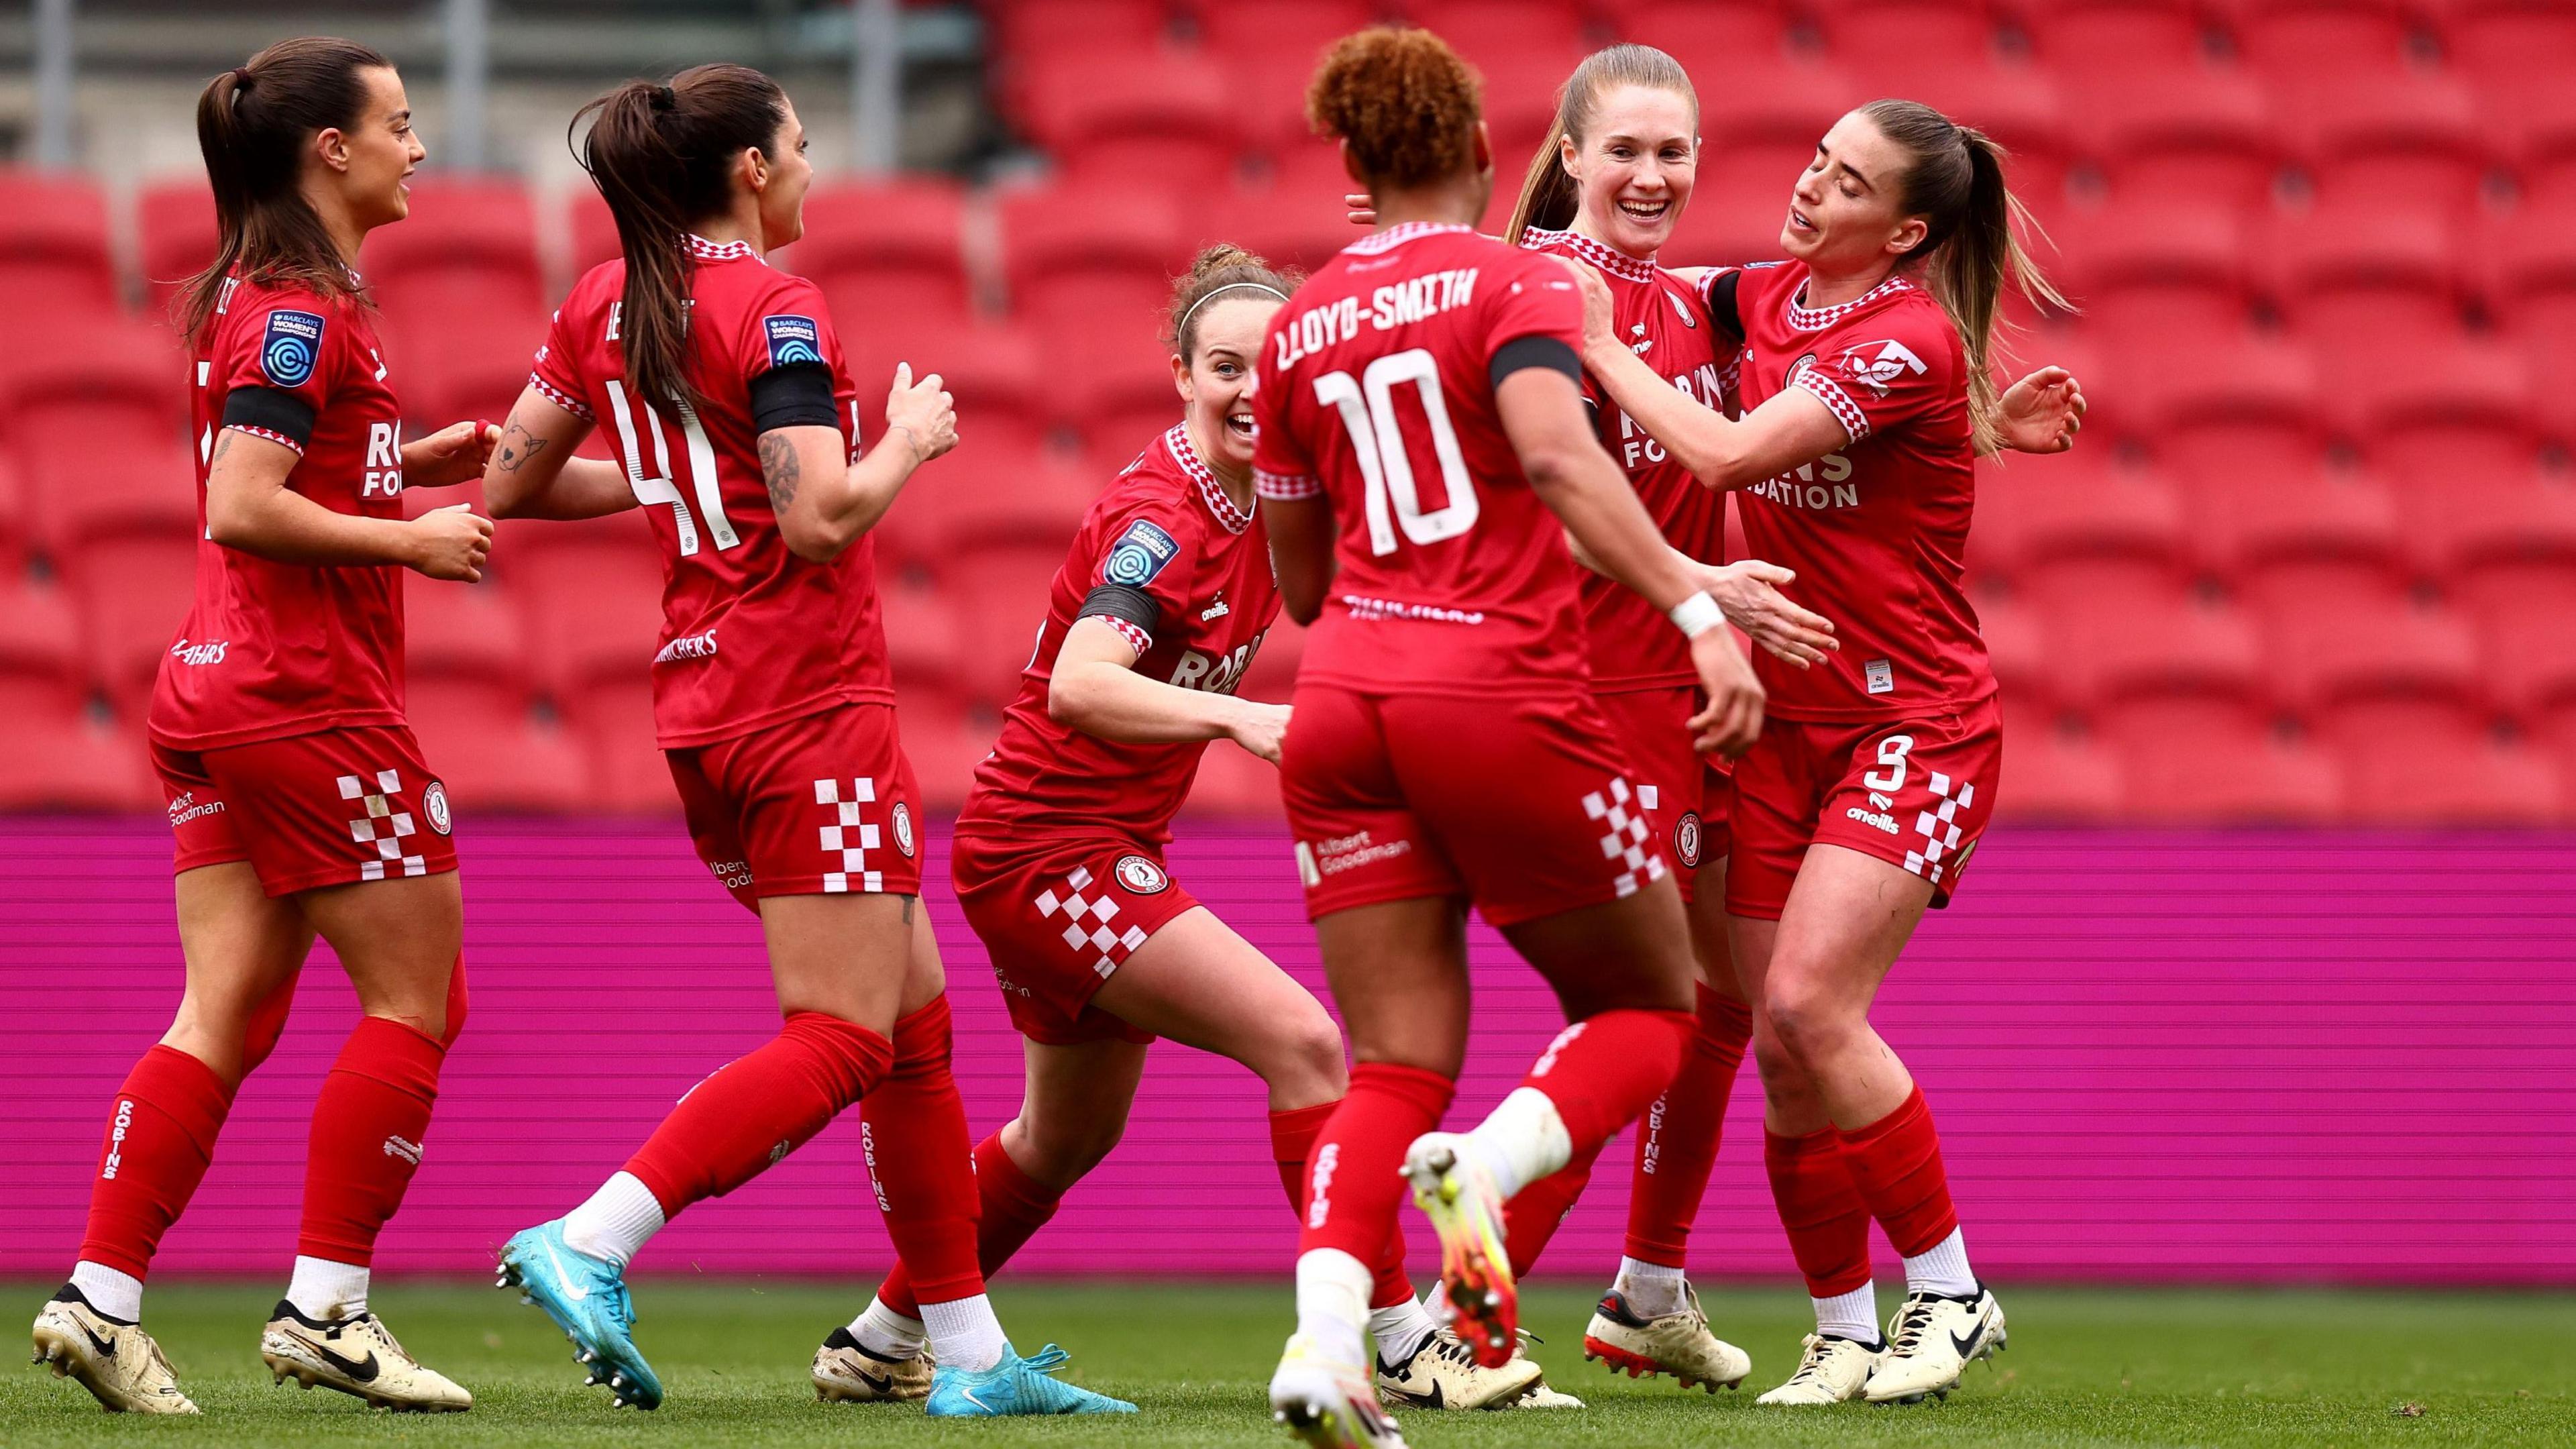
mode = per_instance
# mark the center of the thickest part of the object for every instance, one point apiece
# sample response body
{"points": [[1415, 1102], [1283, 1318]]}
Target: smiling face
{"points": [[1634, 170], [1218, 382], [1846, 215], [369, 161], [784, 176]]}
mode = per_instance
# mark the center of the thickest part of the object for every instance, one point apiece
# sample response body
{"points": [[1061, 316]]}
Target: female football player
{"points": [[1422, 448], [1156, 615], [1866, 396], [734, 421], [297, 794]]}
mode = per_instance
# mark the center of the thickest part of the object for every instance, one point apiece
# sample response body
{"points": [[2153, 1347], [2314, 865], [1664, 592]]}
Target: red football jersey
{"points": [[1376, 395], [1664, 321], [275, 649], [1167, 528], [1877, 530], [752, 635]]}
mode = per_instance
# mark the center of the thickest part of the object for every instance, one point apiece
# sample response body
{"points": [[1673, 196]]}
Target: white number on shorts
{"points": [[1368, 410], [658, 488], [1891, 753]]}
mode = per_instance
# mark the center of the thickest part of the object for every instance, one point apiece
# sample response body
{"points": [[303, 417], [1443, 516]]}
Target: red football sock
{"points": [[160, 1136], [1532, 1218], [1602, 1071], [367, 1129], [1013, 1206], [913, 1129], [1677, 1138], [1896, 1163], [1293, 1131], [755, 1110], [1821, 1207], [1354, 1177]]}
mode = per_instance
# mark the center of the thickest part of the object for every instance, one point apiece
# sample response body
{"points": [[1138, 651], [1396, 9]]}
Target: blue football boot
{"points": [[1013, 1387], [586, 1297]]}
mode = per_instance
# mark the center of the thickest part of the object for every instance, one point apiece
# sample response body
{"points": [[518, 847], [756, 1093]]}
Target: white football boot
{"points": [[846, 1373], [1931, 1341], [1831, 1370], [358, 1356], [1443, 1374], [1329, 1404], [117, 1362], [1677, 1343]]}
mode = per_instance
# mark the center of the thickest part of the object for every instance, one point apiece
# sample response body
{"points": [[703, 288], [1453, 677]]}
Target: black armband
{"points": [[1722, 308], [1548, 352], [270, 410], [1118, 601], [798, 395]]}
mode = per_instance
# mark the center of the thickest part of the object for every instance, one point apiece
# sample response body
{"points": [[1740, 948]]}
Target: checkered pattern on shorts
{"points": [[382, 826], [1112, 947], [1624, 836]]}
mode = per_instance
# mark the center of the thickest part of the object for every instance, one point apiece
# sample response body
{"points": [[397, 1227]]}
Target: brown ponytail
{"points": [[662, 156], [1404, 101], [1221, 266], [253, 124], [1549, 200], [1970, 245]]}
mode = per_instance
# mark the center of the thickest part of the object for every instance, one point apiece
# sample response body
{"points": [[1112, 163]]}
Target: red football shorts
{"points": [[1059, 917], [1916, 793], [325, 809], [1527, 806], [1686, 794], [821, 804]]}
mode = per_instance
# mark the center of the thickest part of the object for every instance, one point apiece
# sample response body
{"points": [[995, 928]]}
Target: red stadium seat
{"points": [[139, 486], [134, 592], [494, 753], [2456, 409], [55, 756], [2535, 291], [1169, 123], [2311, 42], [2253, 405], [2356, 279], [2472, 519], [2530, 659], [1272, 675], [2016, 641], [2156, 281], [1875, 38], [463, 373], [997, 376], [1029, 27], [2325, 652], [54, 259], [592, 609], [999, 595], [2031, 512], [2190, 138], [946, 736], [2116, 583], [612, 723], [472, 238], [1087, 266], [1288, 225], [2245, 520], [2214, 759], [921, 634], [1234, 785], [39, 634], [2430, 761], [1030, 501], [1269, 49], [469, 630], [175, 231], [889, 259], [594, 230], [2107, 652], [114, 379], [2494, 41], [1702, 32], [2088, 41], [2415, 145], [2055, 771]]}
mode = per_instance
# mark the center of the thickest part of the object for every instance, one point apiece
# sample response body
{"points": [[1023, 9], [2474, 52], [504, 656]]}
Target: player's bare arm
{"points": [[532, 473], [1543, 413], [824, 503], [1748, 592], [454, 454], [1096, 689], [249, 507]]}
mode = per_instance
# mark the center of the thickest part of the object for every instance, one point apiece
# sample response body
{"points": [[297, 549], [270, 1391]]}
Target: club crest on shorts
{"points": [[1686, 839], [433, 803], [903, 828], [1141, 876]]}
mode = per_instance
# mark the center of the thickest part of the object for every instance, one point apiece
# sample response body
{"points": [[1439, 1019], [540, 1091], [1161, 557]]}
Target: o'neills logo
{"points": [[688, 646]]}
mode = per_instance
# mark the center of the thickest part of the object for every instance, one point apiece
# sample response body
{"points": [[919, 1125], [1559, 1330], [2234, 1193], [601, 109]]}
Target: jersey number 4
{"points": [[659, 488], [1367, 405]]}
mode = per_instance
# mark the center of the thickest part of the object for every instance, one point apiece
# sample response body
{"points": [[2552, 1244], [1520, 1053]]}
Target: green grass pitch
{"points": [[2086, 1367]]}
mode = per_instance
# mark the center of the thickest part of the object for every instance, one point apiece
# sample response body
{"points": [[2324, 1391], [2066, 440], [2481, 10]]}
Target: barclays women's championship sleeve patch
{"points": [[291, 348], [792, 340], [1139, 554]]}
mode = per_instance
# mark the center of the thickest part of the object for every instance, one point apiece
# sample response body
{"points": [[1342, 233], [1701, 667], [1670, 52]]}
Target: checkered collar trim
{"points": [[1600, 254], [1818, 319], [1211, 492], [1396, 236], [707, 251]]}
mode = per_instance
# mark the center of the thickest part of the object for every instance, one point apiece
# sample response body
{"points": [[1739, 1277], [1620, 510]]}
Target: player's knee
{"points": [[1303, 1059], [1062, 1153], [1804, 1024]]}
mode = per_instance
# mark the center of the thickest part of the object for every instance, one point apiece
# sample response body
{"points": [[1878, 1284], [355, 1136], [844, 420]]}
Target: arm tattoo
{"points": [[223, 445], [780, 470], [907, 910], [518, 445]]}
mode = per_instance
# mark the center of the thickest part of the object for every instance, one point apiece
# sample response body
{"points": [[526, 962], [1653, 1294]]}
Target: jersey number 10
{"points": [[659, 488], [1367, 406]]}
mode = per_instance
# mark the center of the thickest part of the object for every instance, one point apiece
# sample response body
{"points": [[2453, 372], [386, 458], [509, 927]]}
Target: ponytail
{"points": [[253, 124], [1549, 199], [662, 157], [1971, 242]]}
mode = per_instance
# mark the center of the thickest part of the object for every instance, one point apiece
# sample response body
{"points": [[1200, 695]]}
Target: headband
{"points": [[1182, 327]]}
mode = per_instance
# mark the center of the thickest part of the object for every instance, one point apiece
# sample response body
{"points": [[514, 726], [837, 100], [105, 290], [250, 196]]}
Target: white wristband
{"points": [[1697, 615]]}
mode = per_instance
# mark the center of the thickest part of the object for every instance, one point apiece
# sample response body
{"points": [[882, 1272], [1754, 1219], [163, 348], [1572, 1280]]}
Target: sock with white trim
{"points": [[1652, 1289], [325, 1291], [619, 1219], [1942, 1268], [964, 1333]]}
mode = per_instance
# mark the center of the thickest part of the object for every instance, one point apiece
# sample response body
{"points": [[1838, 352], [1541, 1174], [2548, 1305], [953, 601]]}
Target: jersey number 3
{"points": [[658, 488], [1367, 406]]}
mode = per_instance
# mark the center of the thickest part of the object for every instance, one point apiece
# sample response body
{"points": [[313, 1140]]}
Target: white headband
{"points": [[1181, 329]]}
